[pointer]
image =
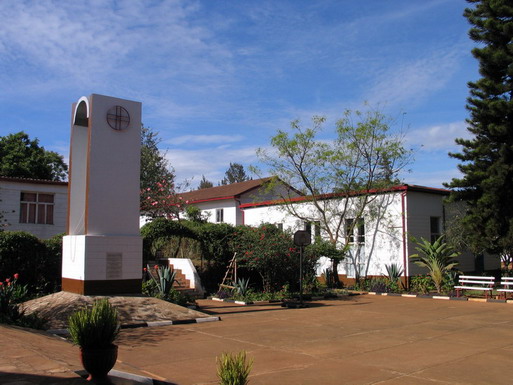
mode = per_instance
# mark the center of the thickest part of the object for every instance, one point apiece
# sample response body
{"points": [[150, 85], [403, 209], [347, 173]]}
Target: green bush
{"points": [[22, 253], [422, 284], [271, 253], [209, 242], [233, 369], [161, 233], [96, 326], [11, 294], [38, 262]]}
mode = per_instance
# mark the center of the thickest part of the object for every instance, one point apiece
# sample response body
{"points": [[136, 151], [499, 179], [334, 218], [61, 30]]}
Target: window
{"points": [[219, 215], [355, 230], [316, 227], [36, 208], [434, 225]]}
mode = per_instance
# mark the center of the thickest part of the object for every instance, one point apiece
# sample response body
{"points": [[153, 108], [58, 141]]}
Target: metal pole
{"points": [[301, 275]]}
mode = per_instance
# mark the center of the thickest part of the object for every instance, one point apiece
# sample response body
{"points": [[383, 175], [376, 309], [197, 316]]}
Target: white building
{"points": [[35, 206], [224, 204], [382, 236]]}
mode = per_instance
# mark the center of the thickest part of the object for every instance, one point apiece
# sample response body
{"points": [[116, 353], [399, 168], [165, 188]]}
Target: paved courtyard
{"points": [[362, 340]]}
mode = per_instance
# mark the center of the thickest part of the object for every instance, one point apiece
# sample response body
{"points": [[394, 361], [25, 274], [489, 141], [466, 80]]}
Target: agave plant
{"points": [[394, 273], [437, 257], [242, 286], [164, 279]]}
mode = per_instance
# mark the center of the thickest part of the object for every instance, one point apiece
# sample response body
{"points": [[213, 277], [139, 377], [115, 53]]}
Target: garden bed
{"points": [[443, 297], [306, 297]]}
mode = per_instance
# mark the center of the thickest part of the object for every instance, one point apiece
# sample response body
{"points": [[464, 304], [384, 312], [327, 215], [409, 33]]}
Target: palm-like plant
{"points": [[437, 257]]}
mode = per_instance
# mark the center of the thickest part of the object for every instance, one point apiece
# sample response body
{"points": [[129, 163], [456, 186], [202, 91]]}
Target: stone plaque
{"points": [[114, 269]]}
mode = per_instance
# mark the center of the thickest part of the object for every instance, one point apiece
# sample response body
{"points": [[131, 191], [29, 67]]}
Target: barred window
{"points": [[219, 215], [36, 208], [434, 225], [355, 230]]}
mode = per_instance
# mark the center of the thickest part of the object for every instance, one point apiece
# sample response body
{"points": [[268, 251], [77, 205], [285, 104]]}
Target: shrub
{"points": [[94, 327], [233, 369], [22, 253], [394, 273], [378, 285], [271, 253], [159, 233], [11, 294], [37, 261], [421, 284]]}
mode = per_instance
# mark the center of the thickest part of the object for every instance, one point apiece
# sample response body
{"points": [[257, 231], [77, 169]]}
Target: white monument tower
{"points": [[102, 251]]}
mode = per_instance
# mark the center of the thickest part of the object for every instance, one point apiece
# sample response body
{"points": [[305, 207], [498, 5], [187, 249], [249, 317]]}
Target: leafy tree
{"points": [[364, 155], [204, 183], [235, 174], [487, 158], [437, 257], [194, 214], [24, 158], [155, 170]]}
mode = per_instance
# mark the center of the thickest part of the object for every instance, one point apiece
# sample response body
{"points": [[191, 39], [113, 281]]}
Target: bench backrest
{"points": [[479, 280], [507, 281]]}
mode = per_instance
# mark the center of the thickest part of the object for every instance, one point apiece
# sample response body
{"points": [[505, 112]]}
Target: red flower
{"points": [[7, 280], [156, 267], [16, 276], [144, 269]]}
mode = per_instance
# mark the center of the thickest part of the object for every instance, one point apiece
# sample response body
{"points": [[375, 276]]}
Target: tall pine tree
{"points": [[234, 174], [487, 158]]}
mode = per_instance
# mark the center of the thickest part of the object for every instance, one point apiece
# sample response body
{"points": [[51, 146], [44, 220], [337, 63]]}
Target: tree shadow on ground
{"points": [[22, 378]]}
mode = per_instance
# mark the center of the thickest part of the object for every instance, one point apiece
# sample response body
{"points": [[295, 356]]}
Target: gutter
{"points": [[405, 248]]}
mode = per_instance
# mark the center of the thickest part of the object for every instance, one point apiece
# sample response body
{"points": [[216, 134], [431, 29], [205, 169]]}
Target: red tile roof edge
{"points": [[31, 180]]}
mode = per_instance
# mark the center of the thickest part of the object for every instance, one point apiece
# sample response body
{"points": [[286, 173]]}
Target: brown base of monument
{"points": [[102, 287]]}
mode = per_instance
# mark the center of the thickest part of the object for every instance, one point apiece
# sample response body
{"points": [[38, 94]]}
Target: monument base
{"points": [[107, 287], [102, 264]]}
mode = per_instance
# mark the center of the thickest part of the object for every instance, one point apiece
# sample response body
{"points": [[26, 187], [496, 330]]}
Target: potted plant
{"points": [[94, 330]]}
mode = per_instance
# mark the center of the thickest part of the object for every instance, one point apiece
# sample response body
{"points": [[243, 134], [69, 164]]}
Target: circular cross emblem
{"points": [[118, 118]]}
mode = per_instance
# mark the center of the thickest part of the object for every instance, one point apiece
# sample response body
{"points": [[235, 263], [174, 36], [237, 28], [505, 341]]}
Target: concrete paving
{"points": [[361, 340]]}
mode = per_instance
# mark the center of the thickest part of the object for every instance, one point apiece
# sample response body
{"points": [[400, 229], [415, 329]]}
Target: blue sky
{"points": [[218, 78]]}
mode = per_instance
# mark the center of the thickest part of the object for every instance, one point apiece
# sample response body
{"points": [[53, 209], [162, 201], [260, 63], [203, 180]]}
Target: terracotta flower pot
{"points": [[98, 362]]}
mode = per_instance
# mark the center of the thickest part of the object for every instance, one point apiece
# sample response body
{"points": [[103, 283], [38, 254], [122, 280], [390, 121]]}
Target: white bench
{"points": [[478, 283], [507, 286]]}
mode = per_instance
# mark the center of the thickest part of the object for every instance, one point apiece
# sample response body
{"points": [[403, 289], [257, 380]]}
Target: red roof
{"points": [[230, 191], [404, 187], [32, 181]]}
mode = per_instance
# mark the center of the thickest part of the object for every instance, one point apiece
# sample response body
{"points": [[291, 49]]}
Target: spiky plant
{"points": [[437, 257], [94, 327], [233, 369]]}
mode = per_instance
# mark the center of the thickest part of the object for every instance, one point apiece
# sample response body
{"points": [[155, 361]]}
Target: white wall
{"points": [[383, 237], [229, 206], [10, 194]]}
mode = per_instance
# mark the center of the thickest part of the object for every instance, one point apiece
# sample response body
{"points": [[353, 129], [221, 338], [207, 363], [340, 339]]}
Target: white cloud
{"points": [[102, 44], [410, 82], [432, 178], [439, 137], [212, 162], [205, 139]]}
